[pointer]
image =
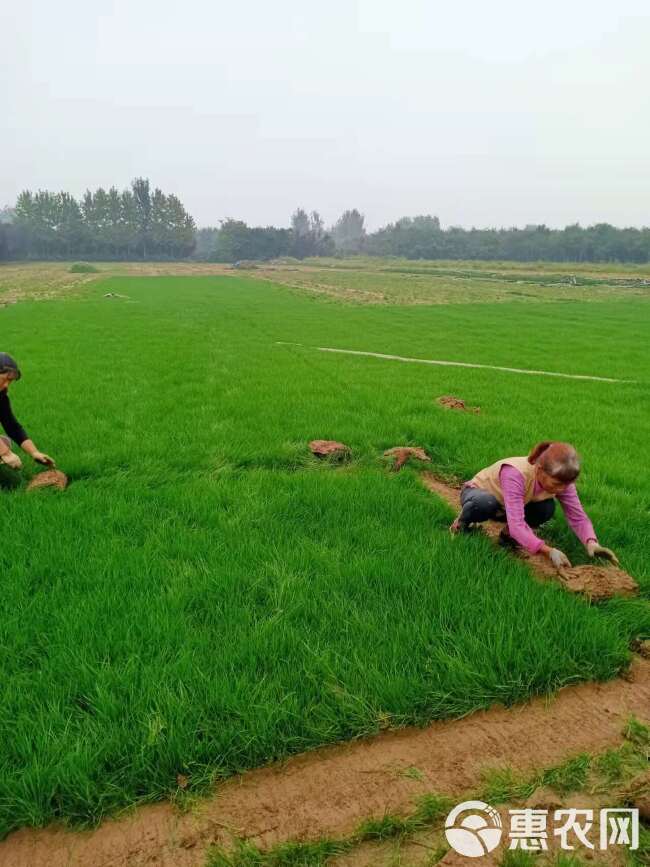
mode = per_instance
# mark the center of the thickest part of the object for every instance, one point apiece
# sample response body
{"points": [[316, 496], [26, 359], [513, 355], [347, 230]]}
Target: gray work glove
{"points": [[596, 550], [11, 460], [559, 559]]}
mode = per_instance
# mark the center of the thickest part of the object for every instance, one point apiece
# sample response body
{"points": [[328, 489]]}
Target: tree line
{"points": [[307, 235], [423, 237], [139, 224], [135, 223]]}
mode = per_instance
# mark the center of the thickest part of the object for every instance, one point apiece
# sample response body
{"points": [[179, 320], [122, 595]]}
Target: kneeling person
{"points": [[522, 491], [9, 372]]}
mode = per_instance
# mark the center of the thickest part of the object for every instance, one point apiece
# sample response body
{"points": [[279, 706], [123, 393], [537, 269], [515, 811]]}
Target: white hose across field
{"points": [[458, 363]]}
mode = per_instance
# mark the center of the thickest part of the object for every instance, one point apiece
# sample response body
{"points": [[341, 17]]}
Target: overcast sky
{"points": [[484, 113]]}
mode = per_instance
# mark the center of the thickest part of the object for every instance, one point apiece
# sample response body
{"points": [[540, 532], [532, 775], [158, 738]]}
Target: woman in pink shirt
{"points": [[522, 491]]}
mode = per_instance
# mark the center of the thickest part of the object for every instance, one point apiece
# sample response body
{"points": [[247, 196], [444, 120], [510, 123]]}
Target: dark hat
{"points": [[8, 365]]}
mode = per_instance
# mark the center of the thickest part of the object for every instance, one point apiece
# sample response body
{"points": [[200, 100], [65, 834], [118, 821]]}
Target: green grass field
{"points": [[207, 597]]}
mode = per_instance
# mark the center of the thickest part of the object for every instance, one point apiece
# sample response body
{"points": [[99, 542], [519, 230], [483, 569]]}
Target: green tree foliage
{"points": [[205, 242], [134, 223], [143, 213], [423, 238], [308, 235], [11, 237], [349, 233], [139, 224], [236, 241]]}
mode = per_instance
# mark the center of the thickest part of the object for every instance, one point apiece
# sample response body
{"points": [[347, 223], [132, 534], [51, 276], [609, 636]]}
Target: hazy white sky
{"points": [[484, 113]]}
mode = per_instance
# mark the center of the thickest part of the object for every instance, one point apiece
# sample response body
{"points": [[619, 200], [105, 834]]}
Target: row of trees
{"points": [[136, 223], [422, 238], [307, 236], [139, 223]]}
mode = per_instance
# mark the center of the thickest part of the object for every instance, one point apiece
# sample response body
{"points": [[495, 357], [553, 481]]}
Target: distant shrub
{"points": [[83, 268]]}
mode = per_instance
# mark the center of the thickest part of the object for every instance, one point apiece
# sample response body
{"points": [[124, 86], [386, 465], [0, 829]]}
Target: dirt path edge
{"points": [[329, 791]]}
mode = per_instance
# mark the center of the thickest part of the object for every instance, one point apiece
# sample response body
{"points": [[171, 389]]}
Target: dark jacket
{"points": [[9, 421]]}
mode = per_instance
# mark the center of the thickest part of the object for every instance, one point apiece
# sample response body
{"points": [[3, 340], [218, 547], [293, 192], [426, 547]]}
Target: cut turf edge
{"points": [[330, 791]]}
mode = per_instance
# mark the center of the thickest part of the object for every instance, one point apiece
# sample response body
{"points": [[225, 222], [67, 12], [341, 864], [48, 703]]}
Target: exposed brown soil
{"points": [[38, 281], [421, 849], [402, 454], [366, 284], [450, 402], [329, 791], [329, 449], [49, 479], [599, 582], [595, 582], [638, 795]]}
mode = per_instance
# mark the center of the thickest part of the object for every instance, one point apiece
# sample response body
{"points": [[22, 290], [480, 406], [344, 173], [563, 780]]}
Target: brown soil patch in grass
{"points": [[381, 281], [36, 281], [450, 402], [642, 648], [330, 449], [49, 479], [599, 582], [162, 269], [402, 454], [595, 582], [328, 792], [425, 848], [638, 795]]}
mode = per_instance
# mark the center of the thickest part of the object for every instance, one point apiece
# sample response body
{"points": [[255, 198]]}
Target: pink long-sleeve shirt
{"points": [[513, 487]]}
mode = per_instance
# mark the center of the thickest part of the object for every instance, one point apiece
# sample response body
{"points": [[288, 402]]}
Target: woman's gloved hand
{"points": [[11, 460], [558, 558], [42, 458], [596, 550]]}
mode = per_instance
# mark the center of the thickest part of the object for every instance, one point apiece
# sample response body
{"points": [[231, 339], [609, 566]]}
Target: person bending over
{"points": [[9, 372], [522, 491]]}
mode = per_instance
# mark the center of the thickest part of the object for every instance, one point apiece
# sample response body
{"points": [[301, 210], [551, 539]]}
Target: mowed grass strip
{"points": [[207, 597], [386, 280]]}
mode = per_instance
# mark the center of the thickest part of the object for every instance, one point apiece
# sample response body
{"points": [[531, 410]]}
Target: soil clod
{"points": [[402, 454], [451, 402], [638, 795], [330, 449], [49, 479], [544, 798], [641, 647], [599, 582]]}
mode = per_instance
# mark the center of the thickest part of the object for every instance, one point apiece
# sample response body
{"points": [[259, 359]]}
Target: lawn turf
{"points": [[207, 597]]}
